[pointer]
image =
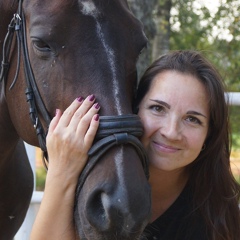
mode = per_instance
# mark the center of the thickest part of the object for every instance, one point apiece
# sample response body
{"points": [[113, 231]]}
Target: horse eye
{"points": [[42, 49], [41, 46]]}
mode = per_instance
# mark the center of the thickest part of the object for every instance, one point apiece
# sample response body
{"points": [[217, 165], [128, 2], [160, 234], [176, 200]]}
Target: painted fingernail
{"points": [[96, 118], [96, 105], [56, 112], [91, 97], [79, 99]]}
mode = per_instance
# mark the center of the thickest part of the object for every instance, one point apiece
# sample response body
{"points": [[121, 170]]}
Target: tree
{"points": [[181, 24], [155, 16], [143, 10]]}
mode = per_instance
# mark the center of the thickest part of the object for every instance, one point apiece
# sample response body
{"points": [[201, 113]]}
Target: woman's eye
{"points": [[194, 120], [157, 108]]}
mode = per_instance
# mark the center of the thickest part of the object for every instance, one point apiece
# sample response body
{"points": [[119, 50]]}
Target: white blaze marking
{"points": [[120, 170], [89, 9], [121, 179]]}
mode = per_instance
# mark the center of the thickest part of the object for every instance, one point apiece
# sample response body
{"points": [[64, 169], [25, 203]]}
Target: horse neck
{"points": [[8, 134]]}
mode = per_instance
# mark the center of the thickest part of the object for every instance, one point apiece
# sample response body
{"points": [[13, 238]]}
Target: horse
{"points": [[51, 53]]}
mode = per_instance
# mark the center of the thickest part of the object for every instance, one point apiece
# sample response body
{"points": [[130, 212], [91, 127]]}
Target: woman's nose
{"points": [[171, 129]]}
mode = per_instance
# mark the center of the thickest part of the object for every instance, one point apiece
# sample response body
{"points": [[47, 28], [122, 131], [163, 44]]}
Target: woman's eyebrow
{"points": [[169, 107], [196, 113], [161, 102]]}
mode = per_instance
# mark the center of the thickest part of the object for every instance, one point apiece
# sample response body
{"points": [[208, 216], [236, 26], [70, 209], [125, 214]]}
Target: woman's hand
{"points": [[70, 137]]}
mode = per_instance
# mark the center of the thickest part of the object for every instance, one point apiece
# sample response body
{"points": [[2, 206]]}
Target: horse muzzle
{"points": [[113, 198]]}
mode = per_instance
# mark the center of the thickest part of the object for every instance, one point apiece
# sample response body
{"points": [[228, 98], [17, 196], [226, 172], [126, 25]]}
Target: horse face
{"points": [[77, 48], [89, 47]]}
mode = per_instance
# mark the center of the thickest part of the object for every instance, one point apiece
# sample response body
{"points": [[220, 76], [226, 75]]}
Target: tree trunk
{"points": [[160, 44], [155, 16], [143, 10]]}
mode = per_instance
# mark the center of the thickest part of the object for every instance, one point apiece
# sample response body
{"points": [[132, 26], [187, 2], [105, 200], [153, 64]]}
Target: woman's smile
{"points": [[163, 148]]}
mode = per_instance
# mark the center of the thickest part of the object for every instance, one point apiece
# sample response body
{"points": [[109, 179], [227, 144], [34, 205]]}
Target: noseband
{"points": [[113, 130]]}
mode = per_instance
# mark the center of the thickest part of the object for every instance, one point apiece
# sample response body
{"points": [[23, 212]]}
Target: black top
{"points": [[179, 222]]}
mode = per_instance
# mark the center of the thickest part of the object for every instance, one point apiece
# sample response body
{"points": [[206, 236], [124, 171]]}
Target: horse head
{"points": [[75, 48]]}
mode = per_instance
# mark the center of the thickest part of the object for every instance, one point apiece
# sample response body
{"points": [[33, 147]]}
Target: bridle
{"points": [[113, 130], [36, 104]]}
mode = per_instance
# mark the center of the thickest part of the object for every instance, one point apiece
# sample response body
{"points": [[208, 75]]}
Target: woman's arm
{"points": [[69, 138]]}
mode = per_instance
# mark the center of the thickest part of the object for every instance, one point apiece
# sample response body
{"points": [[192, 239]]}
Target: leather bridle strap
{"points": [[33, 96], [113, 131], [34, 99], [6, 50]]}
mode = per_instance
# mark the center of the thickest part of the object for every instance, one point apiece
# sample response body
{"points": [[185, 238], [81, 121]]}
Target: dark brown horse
{"points": [[72, 48]]}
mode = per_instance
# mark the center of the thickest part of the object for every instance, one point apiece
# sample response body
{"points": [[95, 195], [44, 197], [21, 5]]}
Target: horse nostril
{"points": [[97, 210]]}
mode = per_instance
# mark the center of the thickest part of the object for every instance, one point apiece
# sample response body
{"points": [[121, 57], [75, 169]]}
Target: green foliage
{"points": [[40, 178], [187, 31], [237, 177], [194, 26]]}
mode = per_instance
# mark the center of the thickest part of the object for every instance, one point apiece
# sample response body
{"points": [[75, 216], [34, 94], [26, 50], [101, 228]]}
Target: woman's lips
{"points": [[165, 148]]}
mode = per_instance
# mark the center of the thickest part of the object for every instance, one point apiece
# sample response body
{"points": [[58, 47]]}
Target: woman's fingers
{"points": [[83, 124], [91, 132], [76, 124], [74, 113], [69, 112], [84, 113], [54, 121]]}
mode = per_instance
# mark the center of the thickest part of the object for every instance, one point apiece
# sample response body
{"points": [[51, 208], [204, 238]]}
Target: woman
{"points": [[181, 103]]}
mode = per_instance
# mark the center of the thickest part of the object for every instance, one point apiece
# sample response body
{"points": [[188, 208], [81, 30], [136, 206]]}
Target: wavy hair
{"points": [[215, 190]]}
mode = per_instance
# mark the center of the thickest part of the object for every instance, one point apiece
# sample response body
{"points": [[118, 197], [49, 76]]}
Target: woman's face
{"points": [[175, 116]]}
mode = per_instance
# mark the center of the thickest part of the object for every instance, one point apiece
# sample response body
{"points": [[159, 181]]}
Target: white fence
{"points": [[234, 98], [25, 230]]}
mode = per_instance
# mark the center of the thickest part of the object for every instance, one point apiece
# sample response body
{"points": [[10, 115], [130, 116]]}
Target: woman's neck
{"points": [[166, 186]]}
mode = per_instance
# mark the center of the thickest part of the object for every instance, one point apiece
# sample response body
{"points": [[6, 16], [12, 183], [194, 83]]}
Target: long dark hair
{"points": [[216, 192]]}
